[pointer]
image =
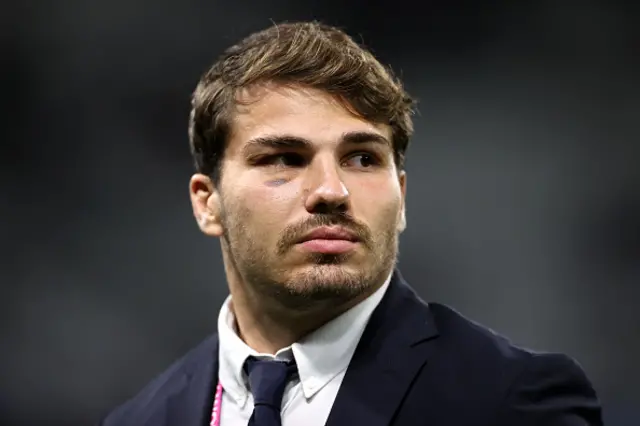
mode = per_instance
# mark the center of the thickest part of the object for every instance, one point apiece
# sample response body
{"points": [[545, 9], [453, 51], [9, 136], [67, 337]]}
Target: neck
{"points": [[267, 328], [265, 332]]}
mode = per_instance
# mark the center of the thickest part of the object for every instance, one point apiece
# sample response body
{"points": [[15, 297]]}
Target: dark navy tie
{"points": [[267, 380]]}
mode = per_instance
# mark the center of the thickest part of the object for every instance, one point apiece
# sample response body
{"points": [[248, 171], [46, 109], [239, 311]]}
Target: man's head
{"points": [[295, 130]]}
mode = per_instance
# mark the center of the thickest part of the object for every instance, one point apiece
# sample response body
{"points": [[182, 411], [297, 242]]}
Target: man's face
{"points": [[298, 162]]}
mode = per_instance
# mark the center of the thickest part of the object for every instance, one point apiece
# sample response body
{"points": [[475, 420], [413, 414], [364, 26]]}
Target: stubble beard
{"points": [[327, 280]]}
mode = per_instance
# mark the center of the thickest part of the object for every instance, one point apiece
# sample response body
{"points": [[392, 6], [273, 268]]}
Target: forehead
{"points": [[303, 112]]}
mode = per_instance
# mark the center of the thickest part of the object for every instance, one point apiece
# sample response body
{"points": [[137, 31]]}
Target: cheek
{"points": [[378, 202], [271, 205]]}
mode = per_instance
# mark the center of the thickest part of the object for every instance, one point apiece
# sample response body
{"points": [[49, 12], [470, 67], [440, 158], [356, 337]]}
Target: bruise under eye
{"points": [[276, 182]]}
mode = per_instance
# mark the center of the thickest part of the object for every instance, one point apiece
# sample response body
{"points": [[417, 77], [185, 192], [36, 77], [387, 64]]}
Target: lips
{"points": [[327, 233], [329, 241]]}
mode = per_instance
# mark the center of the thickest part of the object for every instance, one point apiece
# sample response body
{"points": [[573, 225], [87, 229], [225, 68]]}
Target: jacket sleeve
{"points": [[551, 390]]}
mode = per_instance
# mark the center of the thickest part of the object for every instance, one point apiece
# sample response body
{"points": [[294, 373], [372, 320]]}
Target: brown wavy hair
{"points": [[304, 53]]}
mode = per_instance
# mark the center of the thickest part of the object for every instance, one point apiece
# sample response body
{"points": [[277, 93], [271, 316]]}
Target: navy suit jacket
{"points": [[416, 364]]}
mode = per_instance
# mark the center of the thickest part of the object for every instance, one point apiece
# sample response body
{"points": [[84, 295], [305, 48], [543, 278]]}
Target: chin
{"points": [[326, 283], [329, 275]]}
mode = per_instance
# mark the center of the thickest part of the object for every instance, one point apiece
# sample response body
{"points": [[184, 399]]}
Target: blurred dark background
{"points": [[524, 183]]}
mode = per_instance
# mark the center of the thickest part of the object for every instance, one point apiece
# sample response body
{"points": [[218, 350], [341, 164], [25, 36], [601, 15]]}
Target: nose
{"points": [[326, 191]]}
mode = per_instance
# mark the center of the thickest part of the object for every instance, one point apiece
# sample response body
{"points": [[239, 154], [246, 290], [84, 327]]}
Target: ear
{"points": [[205, 200], [402, 220]]}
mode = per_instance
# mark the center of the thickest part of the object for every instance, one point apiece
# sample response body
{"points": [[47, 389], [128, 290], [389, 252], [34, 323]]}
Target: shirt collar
{"points": [[320, 356]]}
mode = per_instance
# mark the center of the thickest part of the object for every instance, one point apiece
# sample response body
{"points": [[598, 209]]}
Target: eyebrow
{"points": [[299, 143]]}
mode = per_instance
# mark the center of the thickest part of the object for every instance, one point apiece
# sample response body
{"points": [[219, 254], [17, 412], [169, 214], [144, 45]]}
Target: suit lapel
{"points": [[192, 404], [393, 349]]}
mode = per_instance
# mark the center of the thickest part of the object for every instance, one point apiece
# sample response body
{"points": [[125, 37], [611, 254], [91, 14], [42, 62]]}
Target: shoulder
{"points": [[470, 340], [530, 387], [173, 380]]}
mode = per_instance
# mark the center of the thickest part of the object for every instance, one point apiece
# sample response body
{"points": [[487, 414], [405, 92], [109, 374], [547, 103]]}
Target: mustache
{"points": [[293, 233]]}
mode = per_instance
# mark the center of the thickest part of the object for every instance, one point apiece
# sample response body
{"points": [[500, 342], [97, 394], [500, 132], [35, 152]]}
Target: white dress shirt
{"points": [[322, 358]]}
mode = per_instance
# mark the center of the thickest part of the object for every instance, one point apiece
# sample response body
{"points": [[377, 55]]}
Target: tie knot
{"points": [[267, 380]]}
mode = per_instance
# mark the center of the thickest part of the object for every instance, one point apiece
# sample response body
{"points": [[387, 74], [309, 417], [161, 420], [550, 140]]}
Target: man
{"points": [[299, 137]]}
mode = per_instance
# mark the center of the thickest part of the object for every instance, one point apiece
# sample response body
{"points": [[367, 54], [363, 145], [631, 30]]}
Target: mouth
{"points": [[329, 240]]}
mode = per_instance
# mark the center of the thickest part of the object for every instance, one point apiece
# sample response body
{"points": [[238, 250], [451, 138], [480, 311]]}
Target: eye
{"points": [[288, 159], [363, 160]]}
